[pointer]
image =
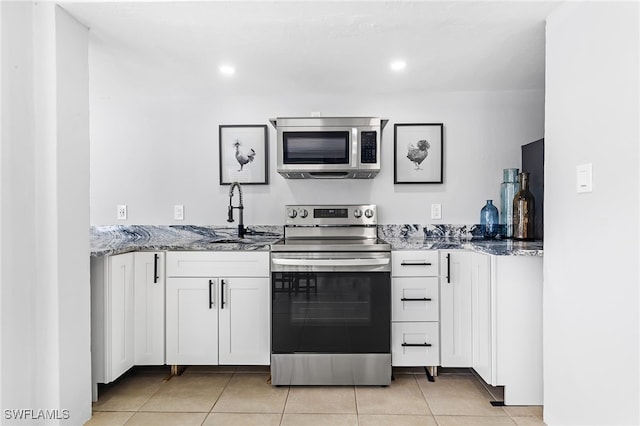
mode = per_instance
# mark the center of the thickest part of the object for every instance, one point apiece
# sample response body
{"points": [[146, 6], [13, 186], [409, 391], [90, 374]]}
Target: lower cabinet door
{"points": [[120, 314], [244, 337], [192, 321], [483, 353], [415, 344], [149, 308]]}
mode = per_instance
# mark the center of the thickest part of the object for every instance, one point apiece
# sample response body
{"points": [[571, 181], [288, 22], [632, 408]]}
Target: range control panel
{"points": [[355, 214]]}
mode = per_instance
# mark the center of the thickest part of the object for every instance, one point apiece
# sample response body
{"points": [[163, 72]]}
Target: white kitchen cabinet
{"points": [[507, 318], [244, 333], [112, 317], [218, 308], [415, 308], [414, 299], [149, 293], [483, 359], [192, 320], [456, 334], [414, 344]]}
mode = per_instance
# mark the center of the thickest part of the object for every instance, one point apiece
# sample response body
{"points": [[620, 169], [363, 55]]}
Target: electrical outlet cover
{"points": [[436, 211], [122, 212], [178, 212]]}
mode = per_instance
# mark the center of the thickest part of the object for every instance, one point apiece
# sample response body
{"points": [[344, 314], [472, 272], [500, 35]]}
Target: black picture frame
{"points": [[248, 161], [418, 153]]}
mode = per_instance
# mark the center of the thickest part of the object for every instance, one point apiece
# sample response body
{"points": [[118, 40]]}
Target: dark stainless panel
{"points": [[331, 369]]}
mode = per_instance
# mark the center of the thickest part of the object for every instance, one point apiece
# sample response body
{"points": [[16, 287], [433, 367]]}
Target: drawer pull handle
{"points": [[415, 263], [422, 299], [416, 344], [448, 268]]}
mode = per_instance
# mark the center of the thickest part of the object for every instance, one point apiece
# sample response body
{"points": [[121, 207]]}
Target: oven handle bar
{"points": [[330, 262]]}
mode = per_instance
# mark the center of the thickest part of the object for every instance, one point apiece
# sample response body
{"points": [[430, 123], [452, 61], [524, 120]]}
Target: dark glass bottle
{"points": [[489, 220], [523, 211]]}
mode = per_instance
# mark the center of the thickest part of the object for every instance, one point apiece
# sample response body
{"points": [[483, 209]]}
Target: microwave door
{"points": [[317, 147]]}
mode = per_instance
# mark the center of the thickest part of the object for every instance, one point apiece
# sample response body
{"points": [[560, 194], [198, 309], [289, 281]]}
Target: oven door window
{"points": [[331, 312], [327, 147]]}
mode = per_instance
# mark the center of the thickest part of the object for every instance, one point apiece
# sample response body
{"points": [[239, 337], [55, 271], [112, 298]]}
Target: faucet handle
{"points": [[230, 218]]}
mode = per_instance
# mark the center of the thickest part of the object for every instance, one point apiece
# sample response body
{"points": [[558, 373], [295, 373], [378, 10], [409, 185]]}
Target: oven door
{"points": [[331, 303]]}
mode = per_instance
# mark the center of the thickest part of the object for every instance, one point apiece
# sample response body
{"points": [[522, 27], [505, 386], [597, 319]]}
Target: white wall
{"points": [[151, 152], [591, 323], [44, 228]]}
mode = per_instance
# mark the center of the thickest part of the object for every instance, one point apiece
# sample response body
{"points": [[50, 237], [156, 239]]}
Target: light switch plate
{"points": [[178, 212], [122, 212], [584, 178], [436, 211]]}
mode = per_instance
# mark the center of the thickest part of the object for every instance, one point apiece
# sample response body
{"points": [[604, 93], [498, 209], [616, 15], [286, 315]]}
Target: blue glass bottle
{"points": [[489, 220]]}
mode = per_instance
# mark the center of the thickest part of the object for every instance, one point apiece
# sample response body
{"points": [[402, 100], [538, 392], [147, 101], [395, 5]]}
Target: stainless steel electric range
{"points": [[331, 298]]}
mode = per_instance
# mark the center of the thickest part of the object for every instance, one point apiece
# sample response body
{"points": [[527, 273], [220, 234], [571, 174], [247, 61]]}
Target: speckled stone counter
{"points": [[116, 239], [454, 237], [494, 247]]}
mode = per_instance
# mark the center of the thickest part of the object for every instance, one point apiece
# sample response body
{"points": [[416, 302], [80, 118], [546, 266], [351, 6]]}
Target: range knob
{"points": [[292, 213], [357, 213], [368, 213], [303, 213]]}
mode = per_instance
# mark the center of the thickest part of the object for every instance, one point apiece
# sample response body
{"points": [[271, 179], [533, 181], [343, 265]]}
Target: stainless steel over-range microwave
{"points": [[328, 147]]}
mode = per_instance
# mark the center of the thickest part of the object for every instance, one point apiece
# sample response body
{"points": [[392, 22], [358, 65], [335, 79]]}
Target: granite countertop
{"points": [[117, 239], [495, 247]]}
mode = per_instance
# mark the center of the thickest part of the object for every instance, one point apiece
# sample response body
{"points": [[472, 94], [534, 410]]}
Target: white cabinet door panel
{"points": [[244, 321], [120, 302], [483, 338], [192, 321], [149, 308], [456, 338]]}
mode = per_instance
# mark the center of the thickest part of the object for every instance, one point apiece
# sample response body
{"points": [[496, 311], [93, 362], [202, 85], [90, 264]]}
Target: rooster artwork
{"points": [[417, 154], [243, 158]]}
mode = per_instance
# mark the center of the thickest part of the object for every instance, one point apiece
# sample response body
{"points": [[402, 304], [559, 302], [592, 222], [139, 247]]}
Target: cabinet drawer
{"points": [[415, 299], [406, 334], [414, 263], [217, 264]]}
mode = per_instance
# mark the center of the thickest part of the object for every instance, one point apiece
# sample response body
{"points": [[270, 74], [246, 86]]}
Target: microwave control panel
{"points": [[368, 147]]}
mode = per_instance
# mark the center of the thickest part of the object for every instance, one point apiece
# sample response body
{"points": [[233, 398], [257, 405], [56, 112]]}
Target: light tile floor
{"points": [[211, 396]]}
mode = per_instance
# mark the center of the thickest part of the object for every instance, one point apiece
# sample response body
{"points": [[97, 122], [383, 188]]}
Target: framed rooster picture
{"points": [[418, 153], [244, 150]]}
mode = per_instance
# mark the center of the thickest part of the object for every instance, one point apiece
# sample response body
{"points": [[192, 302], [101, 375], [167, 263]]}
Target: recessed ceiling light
{"points": [[227, 70], [398, 65]]}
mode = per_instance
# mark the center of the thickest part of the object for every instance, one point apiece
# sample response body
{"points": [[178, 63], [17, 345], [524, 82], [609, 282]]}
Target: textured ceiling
{"points": [[316, 46]]}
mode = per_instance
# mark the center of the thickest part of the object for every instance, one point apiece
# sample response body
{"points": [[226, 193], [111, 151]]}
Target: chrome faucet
{"points": [[241, 230]]}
